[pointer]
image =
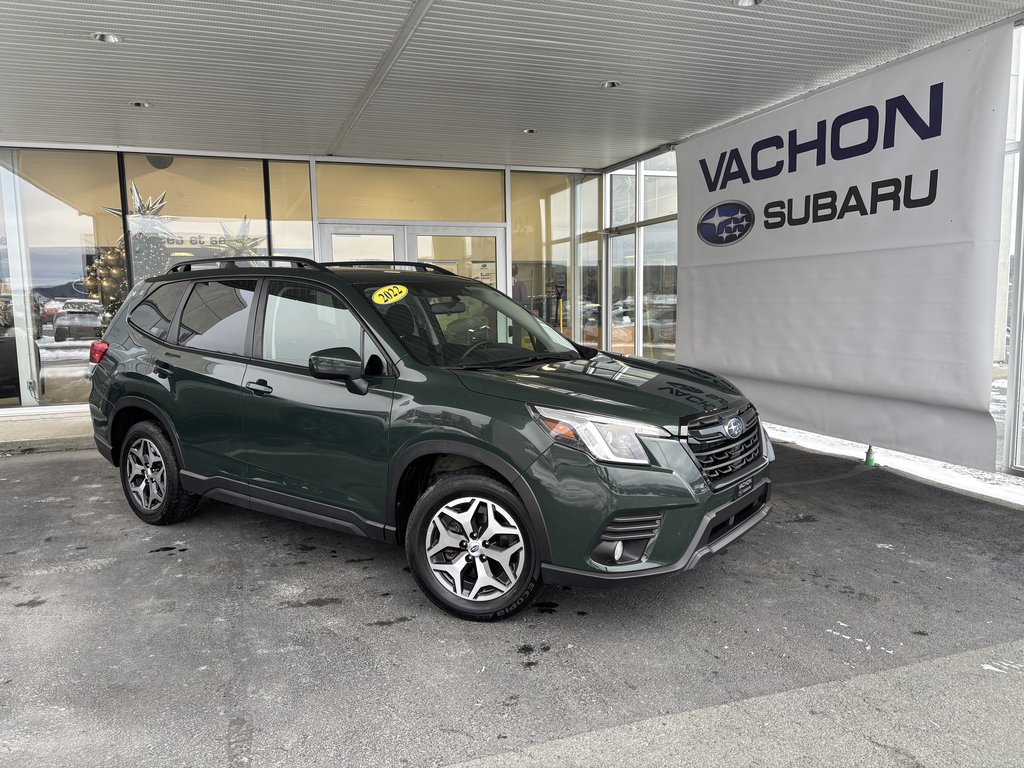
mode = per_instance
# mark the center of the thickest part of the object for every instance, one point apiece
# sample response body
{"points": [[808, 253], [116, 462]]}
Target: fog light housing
{"points": [[617, 552]]}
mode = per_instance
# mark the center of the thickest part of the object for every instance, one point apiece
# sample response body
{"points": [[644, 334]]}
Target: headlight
{"points": [[606, 439]]}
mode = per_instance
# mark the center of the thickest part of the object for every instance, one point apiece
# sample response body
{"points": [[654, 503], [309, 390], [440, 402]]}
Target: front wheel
{"points": [[149, 476], [470, 548]]}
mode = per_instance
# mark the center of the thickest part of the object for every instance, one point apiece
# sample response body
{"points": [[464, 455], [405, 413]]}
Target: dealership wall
{"points": [[838, 256]]}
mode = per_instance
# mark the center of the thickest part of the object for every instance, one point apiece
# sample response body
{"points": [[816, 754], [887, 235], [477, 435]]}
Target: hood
{"points": [[651, 391]]}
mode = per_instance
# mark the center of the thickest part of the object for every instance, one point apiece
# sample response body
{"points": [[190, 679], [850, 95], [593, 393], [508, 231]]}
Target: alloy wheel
{"points": [[475, 548], [146, 473]]}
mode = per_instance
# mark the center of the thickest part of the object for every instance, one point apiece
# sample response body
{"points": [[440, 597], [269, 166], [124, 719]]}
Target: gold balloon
{"points": [[93, 295], [107, 284], [116, 272], [91, 282], [113, 258], [102, 271]]}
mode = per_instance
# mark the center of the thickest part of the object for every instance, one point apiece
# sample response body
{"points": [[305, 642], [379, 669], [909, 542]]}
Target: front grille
{"points": [[632, 526], [721, 458]]}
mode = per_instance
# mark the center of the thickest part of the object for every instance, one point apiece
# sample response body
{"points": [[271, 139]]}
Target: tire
{"points": [[60, 334], [149, 476], [473, 577]]}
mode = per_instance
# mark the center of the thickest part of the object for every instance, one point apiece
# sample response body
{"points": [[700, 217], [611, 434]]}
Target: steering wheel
{"points": [[473, 348]]}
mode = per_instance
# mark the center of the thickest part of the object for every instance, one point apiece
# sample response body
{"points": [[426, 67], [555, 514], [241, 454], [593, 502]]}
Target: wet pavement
{"points": [[872, 620]]}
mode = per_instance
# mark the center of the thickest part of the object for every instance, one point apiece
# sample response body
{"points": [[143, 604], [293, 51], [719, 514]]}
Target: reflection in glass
{"points": [[622, 252], [589, 263], [660, 265], [62, 270], [216, 315], [623, 196], [660, 186], [193, 207]]}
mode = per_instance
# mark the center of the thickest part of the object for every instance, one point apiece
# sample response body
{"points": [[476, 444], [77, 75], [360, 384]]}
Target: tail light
{"points": [[97, 350]]}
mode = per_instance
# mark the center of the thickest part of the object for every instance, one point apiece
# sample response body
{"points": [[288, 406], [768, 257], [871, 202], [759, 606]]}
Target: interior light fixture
{"points": [[106, 37], [746, 3], [529, 131], [139, 104], [611, 84]]}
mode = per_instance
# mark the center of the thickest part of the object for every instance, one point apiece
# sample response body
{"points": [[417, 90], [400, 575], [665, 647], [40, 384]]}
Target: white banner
{"points": [[838, 255]]}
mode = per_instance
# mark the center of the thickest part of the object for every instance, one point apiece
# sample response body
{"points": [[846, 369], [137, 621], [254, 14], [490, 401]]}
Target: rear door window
{"points": [[155, 312], [216, 316]]}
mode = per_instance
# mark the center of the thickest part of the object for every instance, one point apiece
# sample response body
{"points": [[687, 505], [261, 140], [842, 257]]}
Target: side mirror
{"points": [[339, 364]]}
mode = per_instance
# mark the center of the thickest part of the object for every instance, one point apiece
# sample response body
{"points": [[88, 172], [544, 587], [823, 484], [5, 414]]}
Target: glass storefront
{"points": [[192, 208], [291, 209], [646, 327], [660, 290], [541, 224], [400, 193], [62, 270], [65, 266]]}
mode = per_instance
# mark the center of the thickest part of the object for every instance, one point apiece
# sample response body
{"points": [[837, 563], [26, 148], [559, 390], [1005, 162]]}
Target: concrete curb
{"points": [[48, 445]]}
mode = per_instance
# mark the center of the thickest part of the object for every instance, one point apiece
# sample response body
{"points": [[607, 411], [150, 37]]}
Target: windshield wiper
{"points": [[517, 362]]}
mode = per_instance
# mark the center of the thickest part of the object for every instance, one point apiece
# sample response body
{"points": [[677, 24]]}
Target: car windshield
{"points": [[459, 324]]}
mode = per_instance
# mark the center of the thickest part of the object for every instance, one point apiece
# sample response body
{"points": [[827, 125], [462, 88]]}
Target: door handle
{"points": [[259, 387]]}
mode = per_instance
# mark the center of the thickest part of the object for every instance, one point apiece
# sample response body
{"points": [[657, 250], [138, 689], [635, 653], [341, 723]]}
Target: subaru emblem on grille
{"points": [[734, 428]]}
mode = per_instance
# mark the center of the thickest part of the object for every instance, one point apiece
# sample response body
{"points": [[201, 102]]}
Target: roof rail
{"points": [[419, 266], [228, 262]]}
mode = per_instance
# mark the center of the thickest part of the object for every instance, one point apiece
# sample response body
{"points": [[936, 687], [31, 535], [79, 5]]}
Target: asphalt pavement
{"points": [[872, 620]]}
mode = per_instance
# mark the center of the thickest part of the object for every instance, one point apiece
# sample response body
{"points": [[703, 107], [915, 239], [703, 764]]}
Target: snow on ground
{"points": [[974, 481]]}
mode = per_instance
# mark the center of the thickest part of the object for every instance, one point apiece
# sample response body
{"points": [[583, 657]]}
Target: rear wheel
{"points": [[470, 548], [149, 476]]}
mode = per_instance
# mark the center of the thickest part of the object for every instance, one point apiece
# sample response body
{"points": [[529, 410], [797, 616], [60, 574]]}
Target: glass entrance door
{"points": [[467, 251], [361, 242]]}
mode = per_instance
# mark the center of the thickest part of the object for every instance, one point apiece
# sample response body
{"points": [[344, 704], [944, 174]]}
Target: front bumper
{"points": [[717, 530]]}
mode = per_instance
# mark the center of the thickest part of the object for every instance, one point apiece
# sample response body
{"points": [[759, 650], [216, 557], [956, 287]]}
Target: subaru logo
{"points": [[726, 223], [734, 428]]}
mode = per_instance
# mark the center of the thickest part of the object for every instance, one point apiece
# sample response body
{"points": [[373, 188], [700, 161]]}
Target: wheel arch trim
{"points": [[131, 401], [486, 458]]}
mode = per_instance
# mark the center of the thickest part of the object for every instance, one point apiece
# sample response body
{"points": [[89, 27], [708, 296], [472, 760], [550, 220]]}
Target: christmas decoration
{"points": [[149, 234], [240, 245], [106, 278]]}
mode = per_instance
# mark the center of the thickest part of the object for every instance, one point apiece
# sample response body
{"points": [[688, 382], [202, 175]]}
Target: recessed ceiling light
{"points": [[529, 131], [105, 37], [139, 104], [611, 84], [746, 3]]}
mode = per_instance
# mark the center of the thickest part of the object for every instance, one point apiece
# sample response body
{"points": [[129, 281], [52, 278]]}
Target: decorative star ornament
{"points": [[239, 245], [144, 216]]}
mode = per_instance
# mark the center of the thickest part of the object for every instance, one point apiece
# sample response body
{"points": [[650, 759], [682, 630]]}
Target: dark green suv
{"points": [[427, 409]]}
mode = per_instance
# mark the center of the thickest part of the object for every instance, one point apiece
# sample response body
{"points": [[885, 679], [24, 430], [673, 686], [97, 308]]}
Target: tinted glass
{"points": [[216, 315], [456, 324], [302, 319], [154, 314]]}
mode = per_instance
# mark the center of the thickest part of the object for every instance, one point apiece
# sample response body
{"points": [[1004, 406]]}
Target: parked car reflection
{"points": [[79, 319]]}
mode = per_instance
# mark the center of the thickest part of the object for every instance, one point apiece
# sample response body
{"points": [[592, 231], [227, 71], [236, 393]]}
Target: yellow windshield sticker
{"points": [[390, 294]]}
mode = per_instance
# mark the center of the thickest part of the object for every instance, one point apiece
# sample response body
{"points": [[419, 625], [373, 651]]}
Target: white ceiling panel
{"points": [[459, 82]]}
